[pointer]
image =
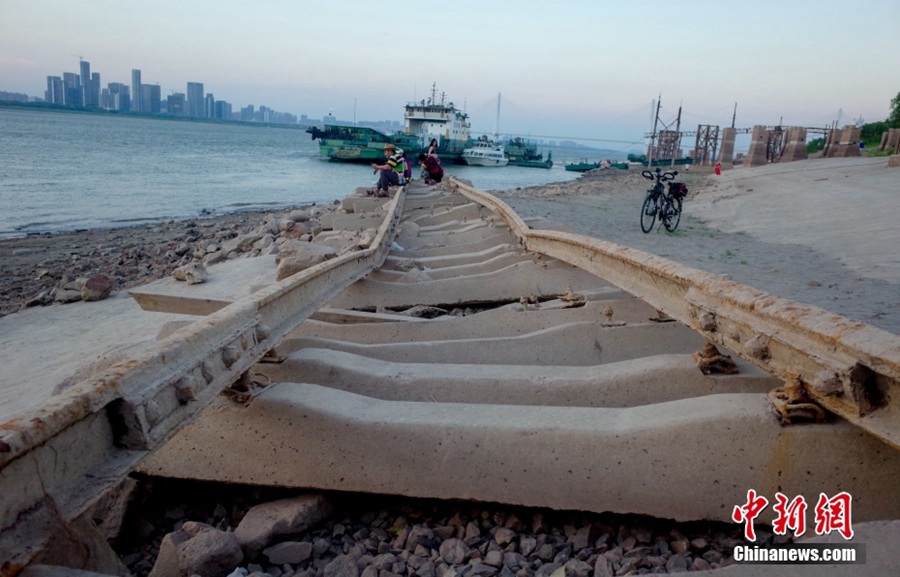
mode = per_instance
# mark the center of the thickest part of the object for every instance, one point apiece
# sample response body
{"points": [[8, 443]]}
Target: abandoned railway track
{"points": [[547, 369]]}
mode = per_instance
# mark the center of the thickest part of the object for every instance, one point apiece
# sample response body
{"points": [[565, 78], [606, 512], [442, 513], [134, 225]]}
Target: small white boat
{"points": [[485, 154]]}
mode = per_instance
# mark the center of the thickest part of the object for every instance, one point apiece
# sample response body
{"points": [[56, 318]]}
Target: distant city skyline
{"points": [[85, 90], [70, 89], [580, 71]]}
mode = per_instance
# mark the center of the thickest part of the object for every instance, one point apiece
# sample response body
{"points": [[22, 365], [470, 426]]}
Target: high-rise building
{"points": [[85, 83], [137, 94], [90, 86], [194, 102], [223, 110], [94, 89], [151, 98], [55, 93], [176, 104], [72, 89], [117, 97]]}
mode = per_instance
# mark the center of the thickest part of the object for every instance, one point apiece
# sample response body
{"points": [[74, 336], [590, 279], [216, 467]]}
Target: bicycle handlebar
{"points": [[660, 176]]}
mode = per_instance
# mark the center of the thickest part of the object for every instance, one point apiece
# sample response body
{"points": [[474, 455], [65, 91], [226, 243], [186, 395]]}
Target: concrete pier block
{"points": [[795, 149], [845, 143], [759, 140], [726, 152]]}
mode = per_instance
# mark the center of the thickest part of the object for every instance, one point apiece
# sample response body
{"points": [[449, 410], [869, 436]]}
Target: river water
{"points": [[70, 171]]}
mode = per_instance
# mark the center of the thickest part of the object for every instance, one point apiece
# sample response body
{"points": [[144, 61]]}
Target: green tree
{"points": [[894, 118]]}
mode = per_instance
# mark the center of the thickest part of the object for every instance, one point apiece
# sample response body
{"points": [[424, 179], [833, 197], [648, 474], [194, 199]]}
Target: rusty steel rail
{"points": [[57, 461], [847, 367]]}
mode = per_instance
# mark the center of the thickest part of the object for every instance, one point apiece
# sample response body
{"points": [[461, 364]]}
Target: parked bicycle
{"points": [[661, 203]]}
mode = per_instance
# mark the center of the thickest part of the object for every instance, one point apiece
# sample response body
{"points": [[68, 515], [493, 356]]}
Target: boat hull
{"points": [[484, 161], [366, 145], [535, 163], [485, 154], [581, 167]]}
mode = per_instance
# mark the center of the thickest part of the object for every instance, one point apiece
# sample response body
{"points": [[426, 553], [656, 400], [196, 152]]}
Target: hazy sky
{"points": [[578, 69]]}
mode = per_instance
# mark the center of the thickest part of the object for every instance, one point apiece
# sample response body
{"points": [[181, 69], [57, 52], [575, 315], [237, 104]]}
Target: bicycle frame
{"points": [[659, 203]]}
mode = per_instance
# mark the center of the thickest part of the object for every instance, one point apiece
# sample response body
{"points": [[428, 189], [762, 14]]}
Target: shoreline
{"points": [[129, 255], [601, 203]]}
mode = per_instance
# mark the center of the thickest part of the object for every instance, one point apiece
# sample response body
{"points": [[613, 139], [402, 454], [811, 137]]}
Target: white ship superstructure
{"points": [[435, 118]]}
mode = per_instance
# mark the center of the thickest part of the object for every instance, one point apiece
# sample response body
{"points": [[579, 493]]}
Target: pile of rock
{"points": [[356, 536], [96, 263]]}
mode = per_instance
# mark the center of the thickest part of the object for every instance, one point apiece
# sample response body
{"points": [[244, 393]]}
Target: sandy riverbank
{"points": [[820, 231]]}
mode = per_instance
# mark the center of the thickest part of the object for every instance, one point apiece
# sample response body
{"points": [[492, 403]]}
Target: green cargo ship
{"points": [[423, 121]]}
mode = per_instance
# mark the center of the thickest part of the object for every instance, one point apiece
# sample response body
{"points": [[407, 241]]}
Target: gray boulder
{"points": [[265, 522], [295, 256], [197, 549]]}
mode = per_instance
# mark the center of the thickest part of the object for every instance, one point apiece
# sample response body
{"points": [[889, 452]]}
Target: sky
{"points": [[586, 70]]}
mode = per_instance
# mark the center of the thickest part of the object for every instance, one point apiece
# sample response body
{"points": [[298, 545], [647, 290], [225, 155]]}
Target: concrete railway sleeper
{"points": [[568, 392]]}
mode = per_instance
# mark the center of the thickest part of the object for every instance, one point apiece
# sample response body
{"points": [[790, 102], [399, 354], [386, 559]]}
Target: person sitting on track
{"points": [[432, 171], [390, 172]]}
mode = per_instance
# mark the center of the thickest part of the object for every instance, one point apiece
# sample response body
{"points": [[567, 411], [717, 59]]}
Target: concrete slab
{"points": [[507, 284], [451, 259], [579, 344], [445, 214], [435, 248], [228, 282], [44, 349], [684, 460], [648, 380], [480, 266], [509, 320]]}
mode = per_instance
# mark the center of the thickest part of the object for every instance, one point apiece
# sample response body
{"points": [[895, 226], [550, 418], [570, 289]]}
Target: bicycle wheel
{"points": [[672, 210], [648, 213]]}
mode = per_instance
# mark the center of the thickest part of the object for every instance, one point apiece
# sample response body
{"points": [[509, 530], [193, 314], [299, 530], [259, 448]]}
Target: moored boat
{"points": [[437, 119], [582, 166], [517, 149], [662, 162], [485, 153], [357, 143], [537, 161], [424, 121]]}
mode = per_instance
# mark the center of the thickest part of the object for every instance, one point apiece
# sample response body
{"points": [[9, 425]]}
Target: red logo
{"points": [[830, 514]]}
